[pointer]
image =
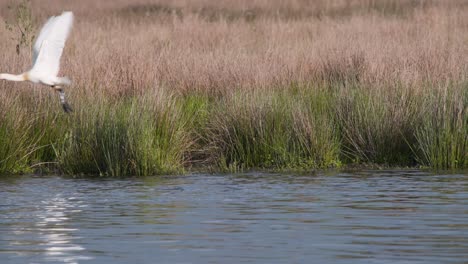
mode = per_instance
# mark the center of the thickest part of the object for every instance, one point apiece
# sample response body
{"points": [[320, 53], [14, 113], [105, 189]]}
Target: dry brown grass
{"points": [[120, 47]]}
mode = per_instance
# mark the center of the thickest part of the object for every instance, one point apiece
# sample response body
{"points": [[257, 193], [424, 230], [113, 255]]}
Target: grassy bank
{"points": [[172, 86], [299, 127]]}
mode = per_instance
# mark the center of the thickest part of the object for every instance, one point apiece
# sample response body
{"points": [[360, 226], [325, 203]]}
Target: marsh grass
{"points": [[15, 145], [164, 86], [274, 130], [442, 137], [301, 127], [137, 136], [377, 124]]}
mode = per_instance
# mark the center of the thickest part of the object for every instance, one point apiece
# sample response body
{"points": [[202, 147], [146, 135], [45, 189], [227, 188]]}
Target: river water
{"points": [[365, 217]]}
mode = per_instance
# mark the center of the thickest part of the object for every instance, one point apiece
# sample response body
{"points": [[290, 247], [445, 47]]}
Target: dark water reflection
{"points": [[366, 217]]}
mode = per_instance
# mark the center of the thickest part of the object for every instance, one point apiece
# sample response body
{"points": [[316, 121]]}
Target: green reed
{"points": [[298, 127]]}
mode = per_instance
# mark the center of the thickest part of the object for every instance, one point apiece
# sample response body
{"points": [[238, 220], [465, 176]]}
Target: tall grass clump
{"points": [[137, 136], [15, 143], [442, 137], [377, 124], [272, 129], [47, 126], [29, 126]]}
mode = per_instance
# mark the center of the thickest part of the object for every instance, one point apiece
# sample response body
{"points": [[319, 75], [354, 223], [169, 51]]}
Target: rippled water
{"points": [[366, 217]]}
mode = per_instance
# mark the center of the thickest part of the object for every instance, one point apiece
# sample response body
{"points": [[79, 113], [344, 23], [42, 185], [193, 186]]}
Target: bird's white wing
{"points": [[49, 44], [42, 35]]}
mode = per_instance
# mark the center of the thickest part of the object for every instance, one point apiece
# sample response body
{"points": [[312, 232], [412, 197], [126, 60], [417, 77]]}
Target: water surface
{"points": [[365, 217]]}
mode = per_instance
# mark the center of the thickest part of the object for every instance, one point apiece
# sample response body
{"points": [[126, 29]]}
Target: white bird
{"points": [[47, 51]]}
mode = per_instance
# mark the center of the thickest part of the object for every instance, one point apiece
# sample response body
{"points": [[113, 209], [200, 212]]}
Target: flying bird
{"points": [[47, 51]]}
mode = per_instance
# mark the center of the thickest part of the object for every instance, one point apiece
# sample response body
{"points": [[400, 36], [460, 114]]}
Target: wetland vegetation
{"points": [[170, 86]]}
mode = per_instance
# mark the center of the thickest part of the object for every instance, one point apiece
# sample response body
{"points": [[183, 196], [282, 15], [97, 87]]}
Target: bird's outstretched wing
{"points": [[49, 44]]}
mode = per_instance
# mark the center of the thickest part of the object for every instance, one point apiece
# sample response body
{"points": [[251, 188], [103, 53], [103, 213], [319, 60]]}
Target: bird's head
{"points": [[4, 76]]}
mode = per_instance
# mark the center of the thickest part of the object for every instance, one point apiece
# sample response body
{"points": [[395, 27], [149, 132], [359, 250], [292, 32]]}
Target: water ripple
{"points": [[367, 216]]}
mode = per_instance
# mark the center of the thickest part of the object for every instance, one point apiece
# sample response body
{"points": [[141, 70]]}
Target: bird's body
{"points": [[47, 51]]}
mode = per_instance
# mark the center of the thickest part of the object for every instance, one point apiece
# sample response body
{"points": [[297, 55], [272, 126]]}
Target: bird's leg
{"points": [[66, 107]]}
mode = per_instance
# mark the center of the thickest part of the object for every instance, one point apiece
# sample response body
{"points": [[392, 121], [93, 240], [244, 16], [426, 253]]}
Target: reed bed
{"points": [[169, 86]]}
